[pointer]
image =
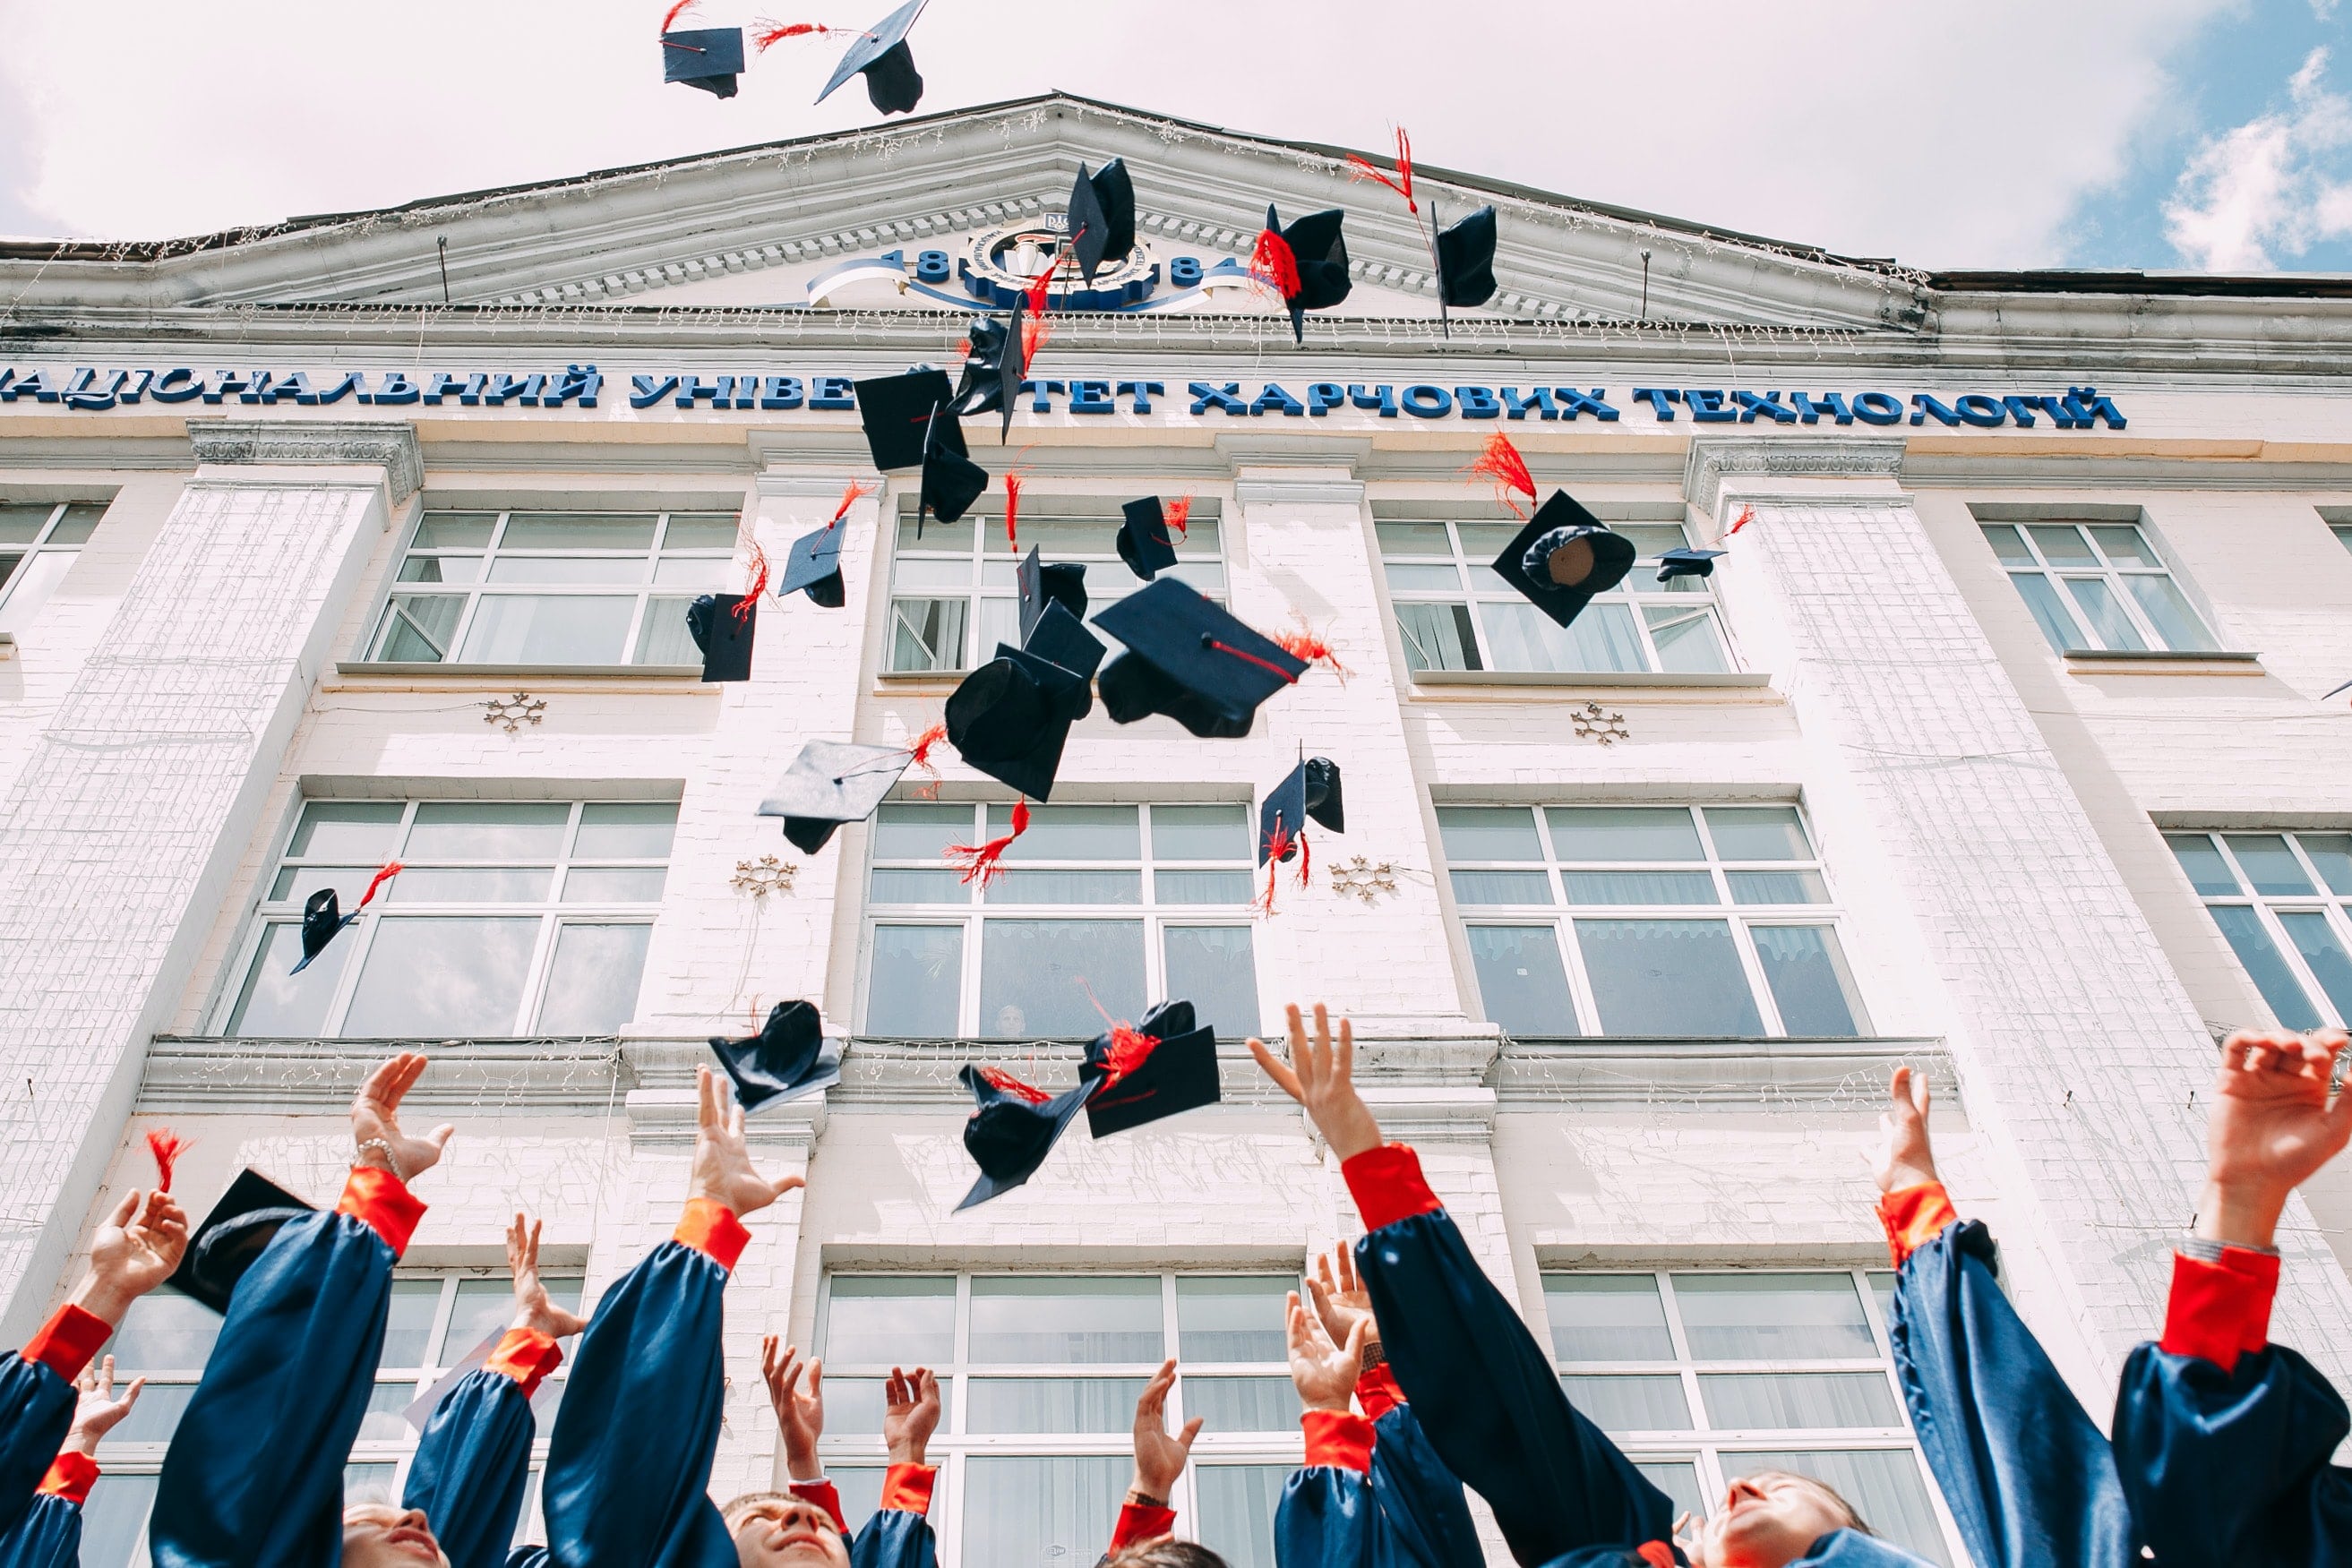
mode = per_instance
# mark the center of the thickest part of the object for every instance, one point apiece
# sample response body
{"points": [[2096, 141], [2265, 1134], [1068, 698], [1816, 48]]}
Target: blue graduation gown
{"points": [[1406, 1511], [48, 1535], [37, 1408], [472, 1467]]}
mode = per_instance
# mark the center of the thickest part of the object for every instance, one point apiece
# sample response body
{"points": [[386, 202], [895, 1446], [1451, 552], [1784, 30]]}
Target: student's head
{"points": [[777, 1529], [378, 1535], [1166, 1552], [1769, 1517]]}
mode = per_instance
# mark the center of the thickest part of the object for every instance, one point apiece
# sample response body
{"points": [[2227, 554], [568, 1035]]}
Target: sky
{"points": [[2202, 134]]}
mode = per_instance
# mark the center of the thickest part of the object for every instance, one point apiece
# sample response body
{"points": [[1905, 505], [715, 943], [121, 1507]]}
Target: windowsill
{"points": [[917, 677], [1734, 681], [1700, 1072], [691, 673], [2150, 661]]}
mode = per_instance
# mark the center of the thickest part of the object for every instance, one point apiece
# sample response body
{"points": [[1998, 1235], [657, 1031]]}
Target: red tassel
{"points": [[1006, 1083], [1747, 516], [920, 752], [167, 1147], [1364, 169], [1305, 644], [979, 860], [1267, 664], [859, 489], [1129, 1050], [1272, 264], [1012, 511], [1179, 514], [389, 869], [1040, 286], [1305, 860], [671, 17], [775, 33], [1501, 463], [1036, 332], [757, 567]]}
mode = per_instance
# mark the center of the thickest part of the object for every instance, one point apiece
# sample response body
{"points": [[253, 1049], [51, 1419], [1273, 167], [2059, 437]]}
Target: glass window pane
{"points": [[557, 530], [890, 1320], [2268, 863], [1233, 1318], [620, 830], [1639, 887], [1040, 1511], [928, 634], [1238, 1504], [1806, 968], [2104, 614], [408, 1326], [701, 530], [1617, 1403], [21, 522], [1045, 979], [1678, 1478], [277, 1003], [1200, 833], [2061, 545], [417, 627], [1086, 1319], [296, 883], [1066, 887], [2006, 545], [917, 981], [554, 628], [561, 569], [164, 1331], [454, 530], [470, 884], [1203, 886], [359, 831], [911, 833], [2208, 872], [1214, 967], [157, 1414], [1055, 1404], [1758, 833], [662, 636], [592, 985], [33, 585], [485, 1307], [442, 978], [1623, 833], [381, 1422], [487, 830], [854, 1406], [2049, 611], [613, 885], [2255, 950], [1521, 980], [859, 1488], [1772, 1317], [2323, 954], [114, 1517], [1884, 1485], [897, 886], [708, 572], [1521, 637], [1602, 638], [1667, 978], [1072, 833], [1687, 641], [1437, 637], [1488, 833], [1607, 1317], [1241, 1403], [1778, 887], [932, 535], [441, 568], [82, 519], [1501, 887], [2332, 853], [2125, 545], [1412, 538], [2178, 626], [1739, 1402]]}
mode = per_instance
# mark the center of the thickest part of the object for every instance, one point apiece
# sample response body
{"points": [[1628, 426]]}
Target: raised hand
{"points": [[1341, 1302], [2271, 1128], [1905, 1158], [1324, 1374], [533, 1307], [723, 1171], [97, 1411], [137, 1247], [375, 1121], [1322, 1078], [910, 1413], [1159, 1459], [800, 1409]]}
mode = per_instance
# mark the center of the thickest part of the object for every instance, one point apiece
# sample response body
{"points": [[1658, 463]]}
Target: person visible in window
{"points": [[1145, 1536], [48, 1535], [2222, 1438], [805, 1526], [1562, 1492]]}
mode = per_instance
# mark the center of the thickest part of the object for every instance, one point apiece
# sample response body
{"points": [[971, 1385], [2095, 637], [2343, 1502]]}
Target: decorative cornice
{"points": [[213, 1076], [1715, 458], [1847, 1074], [388, 443]]}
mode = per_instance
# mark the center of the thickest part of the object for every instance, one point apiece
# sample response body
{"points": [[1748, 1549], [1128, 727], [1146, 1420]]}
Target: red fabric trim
{"points": [[71, 1475], [1138, 1524], [908, 1488], [823, 1494], [2219, 1311], [1915, 1216], [1656, 1553], [67, 1341], [526, 1355], [710, 1227], [1378, 1393], [1340, 1438], [2262, 1270], [381, 1201], [1388, 1186]]}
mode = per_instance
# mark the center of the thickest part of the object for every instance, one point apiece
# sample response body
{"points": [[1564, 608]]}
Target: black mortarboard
{"points": [[1102, 216], [708, 58], [1597, 558], [1060, 583], [1320, 251], [1686, 562], [829, 783], [321, 918], [1465, 259], [1010, 717], [1143, 541], [1178, 1074], [724, 637], [951, 481], [1190, 660], [1064, 638], [233, 1236], [787, 1058], [896, 414], [1309, 792], [1009, 1134], [881, 52], [814, 566], [979, 384], [2347, 686]]}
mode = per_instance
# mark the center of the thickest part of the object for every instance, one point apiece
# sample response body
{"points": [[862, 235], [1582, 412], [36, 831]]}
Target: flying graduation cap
{"points": [[1189, 659], [1011, 718], [980, 385], [1563, 557], [1143, 541], [882, 57], [1306, 264], [1159, 1068], [1101, 218], [1062, 582], [1465, 259], [322, 917], [814, 567], [722, 625], [832, 782], [233, 1236], [895, 412], [951, 481], [1687, 562], [788, 1058], [708, 58], [1012, 1128]]}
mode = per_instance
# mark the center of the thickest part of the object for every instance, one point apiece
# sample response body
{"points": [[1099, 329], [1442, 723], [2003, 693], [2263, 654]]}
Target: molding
{"points": [[1573, 680], [654, 677], [390, 444], [1715, 458], [2162, 662], [216, 1076], [1843, 1074], [1304, 491]]}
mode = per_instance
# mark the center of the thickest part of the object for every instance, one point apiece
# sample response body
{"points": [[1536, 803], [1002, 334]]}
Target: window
{"points": [[1705, 1377], [1706, 921], [2343, 532], [553, 588], [1641, 624], [2096, 586], [952, 597], [2281, 901], [37, 543], [1084, 915], [1038, 1375], [436, 1318], [512, 918]]}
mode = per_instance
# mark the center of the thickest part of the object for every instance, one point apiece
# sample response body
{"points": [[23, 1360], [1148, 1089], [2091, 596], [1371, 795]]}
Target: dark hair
{"points": [[1853, 1516], [1165, 1551]]}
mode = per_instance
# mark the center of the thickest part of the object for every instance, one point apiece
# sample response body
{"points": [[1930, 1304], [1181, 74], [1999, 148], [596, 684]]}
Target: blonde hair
{"points": [[1164, 1551]]}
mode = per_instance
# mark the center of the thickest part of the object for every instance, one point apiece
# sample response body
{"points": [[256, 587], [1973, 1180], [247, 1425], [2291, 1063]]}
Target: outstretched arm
{"points": [[899, 1533], [1327, 1518], [49, 1533], [1159, 1460]]}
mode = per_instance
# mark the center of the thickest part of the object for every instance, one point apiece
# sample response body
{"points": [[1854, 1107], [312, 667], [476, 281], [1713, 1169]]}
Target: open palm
{"points": [[2272, 1127], [375, 1119]]}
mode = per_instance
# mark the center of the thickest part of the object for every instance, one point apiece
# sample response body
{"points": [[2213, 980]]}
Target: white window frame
{"points": [[2335, 908], [37, 558], [2115, 573]]}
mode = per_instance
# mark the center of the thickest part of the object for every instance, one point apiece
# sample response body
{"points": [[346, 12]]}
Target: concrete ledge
{"points": [[1735, 681], [2101, 662], [1849, 1075], [691, 673]]}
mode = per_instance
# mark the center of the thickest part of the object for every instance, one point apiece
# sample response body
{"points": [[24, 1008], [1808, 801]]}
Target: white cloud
{"points": [[2271, 188]]}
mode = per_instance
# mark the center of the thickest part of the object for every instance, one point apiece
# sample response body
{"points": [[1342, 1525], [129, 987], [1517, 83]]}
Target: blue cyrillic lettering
{"points": [[1658, 398], [1229, 400], [1382, 397], [1274, 397]]}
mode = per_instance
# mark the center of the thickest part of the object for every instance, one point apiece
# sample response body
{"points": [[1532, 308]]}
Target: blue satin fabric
{"points": [[37, 1408], [894, 1538], [2031, 1480], [1407, 1513], [2232, 1467], [48, 1535], [254, 1477], [472, 1469]]}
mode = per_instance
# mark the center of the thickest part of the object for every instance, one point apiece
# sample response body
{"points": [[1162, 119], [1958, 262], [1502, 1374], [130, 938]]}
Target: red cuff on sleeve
{"points": [[826, 1496], [908, 1488], [526, 1355], [1656, 1553], [2219, 1311], [1915, 1216], [67, 1341], [1138, 1523], [381, 1201], [1337, 1437], [1378, 1393], [71, 1477], [1387, 1185], [710, 1227]]}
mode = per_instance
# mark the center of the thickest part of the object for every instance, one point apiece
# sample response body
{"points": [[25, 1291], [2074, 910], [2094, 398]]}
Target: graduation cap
{"points": [[787, 1058], [708, 58], [1101, 217], [832, 782], [1012, 1128], [951, 481], [721, 625], [1143, 541], [233, 1236], [1465, 259], [1310, 793], [814, 566], [1307, 262], [1189, 659], [896, 414], [1010, 718], [1062, 638], [2347, 686], [1060, 582], [1163, 1067], [889, 66], [980, 385], [1563, 557], [1686, 562], [322, 918]]}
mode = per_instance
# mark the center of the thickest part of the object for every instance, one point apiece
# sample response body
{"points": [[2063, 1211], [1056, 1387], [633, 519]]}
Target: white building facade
{"points": [[1995, 745]]}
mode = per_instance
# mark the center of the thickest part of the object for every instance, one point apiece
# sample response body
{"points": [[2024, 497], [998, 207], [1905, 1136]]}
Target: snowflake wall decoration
{"points": [[763, 876], [1363, 880], [514, 712], [1593, 724]]}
